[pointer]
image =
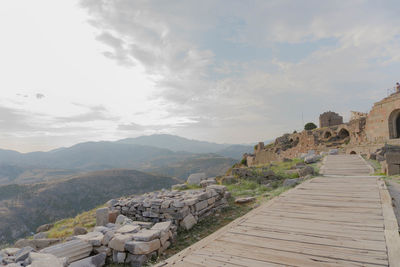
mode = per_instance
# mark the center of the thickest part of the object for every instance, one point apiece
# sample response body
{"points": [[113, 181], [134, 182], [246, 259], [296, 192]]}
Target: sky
{"points": [[228, 71]]}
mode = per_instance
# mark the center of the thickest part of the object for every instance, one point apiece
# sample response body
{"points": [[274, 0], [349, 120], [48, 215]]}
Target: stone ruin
{"points": [[329, 118], [130, 230]]}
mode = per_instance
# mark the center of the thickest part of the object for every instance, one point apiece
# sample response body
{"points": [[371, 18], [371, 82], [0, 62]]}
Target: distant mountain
{"points": [[24, 207], [142, 153], [177, 143]]}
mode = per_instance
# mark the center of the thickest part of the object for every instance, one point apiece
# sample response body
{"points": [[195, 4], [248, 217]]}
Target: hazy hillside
{"points": [[24, 207], [177, 143], [212, 166], [150, 154]]}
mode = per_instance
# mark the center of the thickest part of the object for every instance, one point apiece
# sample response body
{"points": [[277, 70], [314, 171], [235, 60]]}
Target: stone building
{"points": [[330, 118], [365, 133]]}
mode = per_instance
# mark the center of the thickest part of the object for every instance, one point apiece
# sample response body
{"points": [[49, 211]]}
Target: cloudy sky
{"points": [[228, 71]]}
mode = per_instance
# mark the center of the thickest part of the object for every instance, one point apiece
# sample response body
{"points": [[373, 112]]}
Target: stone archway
{"points": [[343, 133], [353, 153], [394, 124], [327, 134]]}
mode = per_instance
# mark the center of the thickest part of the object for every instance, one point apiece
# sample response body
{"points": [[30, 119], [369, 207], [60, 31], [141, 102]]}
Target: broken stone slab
{"points": [[147, 235], [142, 248], [102, 217], [162, 226], [243, 200], [207, 182], [73, 250], [93, 238], [126, 229], [147, 225], [98, 260], [119, 240], [188, 222], [201, 205], [23, 254], [112, 216], [45, 260], [107, 237]]}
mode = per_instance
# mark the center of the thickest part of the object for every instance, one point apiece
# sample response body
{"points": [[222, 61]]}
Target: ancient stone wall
{"points": [[330, 118]]}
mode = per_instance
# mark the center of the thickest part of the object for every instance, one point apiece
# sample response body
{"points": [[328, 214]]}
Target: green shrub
{"points": [[310, 126], [244, 162]]}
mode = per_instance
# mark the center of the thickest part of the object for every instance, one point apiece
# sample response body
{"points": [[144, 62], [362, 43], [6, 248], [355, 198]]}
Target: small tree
{"points": [[310, 126]]}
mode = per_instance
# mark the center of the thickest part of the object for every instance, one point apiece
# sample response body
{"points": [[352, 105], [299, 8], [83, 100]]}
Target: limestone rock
{"points": [[308, 170], [208, 182], [312, 159], [119, 240], [147, 235], [143, 248], [196, 178], [98, 260], [333, 151], [40, 235], [45, 260], [80, 231], [37, 244], [126, 229], [162, 226], [188, 222], [291, 182], [93, 238], [23, 254], [243, 200], [102, 217], [44, 228], [73, 250]]}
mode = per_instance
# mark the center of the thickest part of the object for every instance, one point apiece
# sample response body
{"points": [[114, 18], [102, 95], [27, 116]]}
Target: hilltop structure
{"points": [[365, 133]]}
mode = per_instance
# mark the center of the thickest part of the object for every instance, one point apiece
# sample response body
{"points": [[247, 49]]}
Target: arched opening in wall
{"points": [[327, 135], [394, 124], [343, 133], [353, 153]]}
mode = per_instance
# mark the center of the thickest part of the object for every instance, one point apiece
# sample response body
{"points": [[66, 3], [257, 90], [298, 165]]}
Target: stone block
{"points": [[392, 169], [188, 222], [44, 260], [392, 157], [102, 217], [119, 240], [147, 235], [23, 254], [98, 260], [93, 238], [73, 250], [142, 248], [107, 237], [162, 226], [196, 178], [80, 230], [242, 200], [220, 189], [126, 229], [201, 205], [112, 216]]}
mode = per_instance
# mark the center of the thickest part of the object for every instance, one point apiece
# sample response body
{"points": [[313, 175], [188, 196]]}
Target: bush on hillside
{"points": [[310, 126]]}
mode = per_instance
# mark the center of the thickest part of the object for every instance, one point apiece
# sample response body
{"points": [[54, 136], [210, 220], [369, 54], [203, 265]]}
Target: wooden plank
{"points": [[391, 226], [333, 252]]}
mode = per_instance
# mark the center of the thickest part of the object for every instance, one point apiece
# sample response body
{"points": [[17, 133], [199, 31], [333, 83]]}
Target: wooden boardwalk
{"points": [[344, 219]]}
